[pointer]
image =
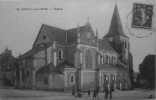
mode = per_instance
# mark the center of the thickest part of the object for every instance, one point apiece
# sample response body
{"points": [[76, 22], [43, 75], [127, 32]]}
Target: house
{"points": [[60, 59], [7, 67]]}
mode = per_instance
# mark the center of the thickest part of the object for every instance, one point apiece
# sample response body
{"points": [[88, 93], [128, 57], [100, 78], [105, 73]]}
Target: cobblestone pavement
{"points": [[16, 94]]}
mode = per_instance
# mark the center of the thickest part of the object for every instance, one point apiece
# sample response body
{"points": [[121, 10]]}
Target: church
{"points": [[61, 59]]}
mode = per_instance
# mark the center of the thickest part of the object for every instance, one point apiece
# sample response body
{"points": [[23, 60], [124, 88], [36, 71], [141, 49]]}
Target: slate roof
{"points": [[59, 35], [57, 70], [112, 67], [33, 51], [56, 34], [116, 25], [104, 44], [72, 34]]}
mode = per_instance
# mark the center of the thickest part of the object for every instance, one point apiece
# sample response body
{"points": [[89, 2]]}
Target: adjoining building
{"points": [[7, 68], [60, 59]]}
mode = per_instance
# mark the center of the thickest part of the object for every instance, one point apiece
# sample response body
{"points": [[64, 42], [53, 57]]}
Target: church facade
{"points": [[61, 59]]}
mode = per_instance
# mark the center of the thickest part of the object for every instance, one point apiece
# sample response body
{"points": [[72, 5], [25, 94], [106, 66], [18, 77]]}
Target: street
{"points": [[17, 94]]}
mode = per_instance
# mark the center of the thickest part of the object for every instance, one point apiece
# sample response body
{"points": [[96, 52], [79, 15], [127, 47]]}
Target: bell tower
{"points": [[117, 37]]}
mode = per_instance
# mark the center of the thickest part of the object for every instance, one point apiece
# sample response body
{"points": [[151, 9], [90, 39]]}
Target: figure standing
{"points": [[88, 93], [106, 93], [94, 94], [73, 91], [110, 93], [97, 92]]}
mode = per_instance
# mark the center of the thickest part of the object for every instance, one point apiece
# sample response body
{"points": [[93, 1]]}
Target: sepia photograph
{"points": [[77, 49]]}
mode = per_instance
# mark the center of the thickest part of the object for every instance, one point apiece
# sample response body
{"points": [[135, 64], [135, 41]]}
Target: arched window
{"points": [[60, 54], [124, 77], [101, 78], [114, 60], [106, 78], [102, 59], [72, 78], [88, 59], [105, 59], [108, 60], [113, 77], [46, 80]]}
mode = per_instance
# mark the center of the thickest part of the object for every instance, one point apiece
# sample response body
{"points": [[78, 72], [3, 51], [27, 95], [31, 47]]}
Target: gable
{"points": [[87, 36], [42, 37], [56, 34]]}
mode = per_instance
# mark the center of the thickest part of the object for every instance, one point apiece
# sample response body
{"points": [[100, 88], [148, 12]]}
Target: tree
{"points": [[147, 70]]}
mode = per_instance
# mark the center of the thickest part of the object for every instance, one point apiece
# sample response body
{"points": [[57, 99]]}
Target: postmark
{"points": [[142, 16]]}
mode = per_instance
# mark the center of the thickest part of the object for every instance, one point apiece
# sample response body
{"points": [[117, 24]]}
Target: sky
{"points": [[19, 28]]}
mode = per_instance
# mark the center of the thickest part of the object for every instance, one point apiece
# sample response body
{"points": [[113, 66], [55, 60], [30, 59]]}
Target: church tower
{"points": [[117, 37]]}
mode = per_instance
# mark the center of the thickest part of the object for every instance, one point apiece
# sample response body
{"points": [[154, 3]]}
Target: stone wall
{"points": [[71, 49], [89, 80], [42, 82], [68, 84], [57, 82], [39, 63]]}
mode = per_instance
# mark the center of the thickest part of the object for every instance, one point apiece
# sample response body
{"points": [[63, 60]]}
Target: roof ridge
{"points": [[75, 28], [53, 27]]}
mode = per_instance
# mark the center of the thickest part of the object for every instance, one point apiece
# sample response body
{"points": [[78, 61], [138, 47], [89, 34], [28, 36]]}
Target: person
{"points": [[88, 93], [106, 93], [110, 93], [94, 94], [97, 92], [73, 91], [150, 97]]}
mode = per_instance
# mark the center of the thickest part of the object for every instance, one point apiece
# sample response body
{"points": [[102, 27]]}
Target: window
{"points": [[107, 78], [113, 77], [101, 78], [114, 60], [108, 60], [88, 59], [125, 44], [60, 54], [105, 59], [124, 77], [72, 78], [46, 80], [44, 37], [101, 59]]}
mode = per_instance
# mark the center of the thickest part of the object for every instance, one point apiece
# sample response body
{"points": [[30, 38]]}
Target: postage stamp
{"points": [[142, 16]]}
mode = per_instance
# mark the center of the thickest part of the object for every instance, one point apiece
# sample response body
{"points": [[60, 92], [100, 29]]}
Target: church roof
{"points": [[104, 44], [56, 34], [33, 51], [115, 28], [59, 35], [46, 70], [72, 34], [59, 69]]}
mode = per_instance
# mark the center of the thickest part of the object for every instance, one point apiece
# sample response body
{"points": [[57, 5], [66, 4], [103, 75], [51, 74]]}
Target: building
{"points": [[7, 67], [60, 59]]}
